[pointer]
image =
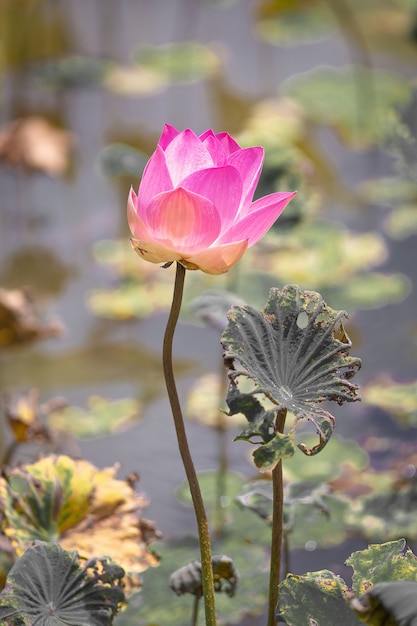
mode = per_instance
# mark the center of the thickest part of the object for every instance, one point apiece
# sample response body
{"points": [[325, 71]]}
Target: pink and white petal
{"points": [[168, 134], [154, 252], [186, 154], [259, 220], [248, 162], [222, 186], [183, 221], [216, 150], [228, 143], [218, 259], [155, 179], [136, 225]]}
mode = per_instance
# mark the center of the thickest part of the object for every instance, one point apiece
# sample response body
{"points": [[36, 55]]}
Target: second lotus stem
{"points": [[277, 527]]}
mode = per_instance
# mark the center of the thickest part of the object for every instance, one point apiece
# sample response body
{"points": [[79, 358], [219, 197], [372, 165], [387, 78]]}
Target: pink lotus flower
{"points": [[194, 203]]}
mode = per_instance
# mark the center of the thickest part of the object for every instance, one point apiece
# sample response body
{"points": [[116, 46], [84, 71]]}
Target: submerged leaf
{"points": [[296, 352], [47, 586]]}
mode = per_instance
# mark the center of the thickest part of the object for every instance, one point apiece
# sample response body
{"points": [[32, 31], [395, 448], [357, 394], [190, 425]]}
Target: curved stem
{"points": [[277, 520], [200, 513]]}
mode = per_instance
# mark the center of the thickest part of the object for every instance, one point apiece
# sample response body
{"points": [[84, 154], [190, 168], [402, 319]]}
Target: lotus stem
{"points": [[200, 513], [277, 527]]}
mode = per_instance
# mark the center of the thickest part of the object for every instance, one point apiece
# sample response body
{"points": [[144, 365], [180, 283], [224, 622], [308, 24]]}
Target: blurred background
{"points": [[328, 87]]}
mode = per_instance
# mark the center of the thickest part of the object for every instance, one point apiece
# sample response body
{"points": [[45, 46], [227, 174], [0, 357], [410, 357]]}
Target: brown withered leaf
{"points": [[19, 319], [33, 142]]}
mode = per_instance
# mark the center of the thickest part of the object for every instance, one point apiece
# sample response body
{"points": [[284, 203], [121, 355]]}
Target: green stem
{"points": [[277, 520], [195, 609], [200, 513]]}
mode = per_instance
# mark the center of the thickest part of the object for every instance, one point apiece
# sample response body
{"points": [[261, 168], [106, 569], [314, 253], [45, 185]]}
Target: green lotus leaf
{"points": [[389, 604], [81, 507], [102, 417], [389, 191], [315, 598], [296, 352], [47, 586]]}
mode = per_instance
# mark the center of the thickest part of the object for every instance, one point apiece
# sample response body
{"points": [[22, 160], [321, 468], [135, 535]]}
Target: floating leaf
{"points": [[134, 80], [72, 71], [129, 301], [360, 104], [293, 21], [81, 507], [315, 599], [102, 417], [389, 604], [297, 353], [179, 62], [47, 586], [402, 222], [398, 399]]}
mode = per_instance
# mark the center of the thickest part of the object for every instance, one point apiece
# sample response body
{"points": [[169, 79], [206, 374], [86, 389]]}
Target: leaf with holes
{"points": [[47, 586], [296, 352]]}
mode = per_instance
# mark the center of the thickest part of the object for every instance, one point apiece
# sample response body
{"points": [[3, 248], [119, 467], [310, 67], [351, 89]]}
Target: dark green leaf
{"points": [[47, 587], [296, 352]]}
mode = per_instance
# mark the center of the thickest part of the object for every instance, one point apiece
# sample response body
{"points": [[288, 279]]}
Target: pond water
{"points": [[49, 225]]}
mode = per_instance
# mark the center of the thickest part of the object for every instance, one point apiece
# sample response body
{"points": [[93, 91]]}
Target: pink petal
{"points": [[183, 221], [168, 134], [218, 259], [186, 154], [216, 150], [136, 225], [153, 252], [221, 185], [228, 143], [155, 179], [248, 162], [264, 212]]}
